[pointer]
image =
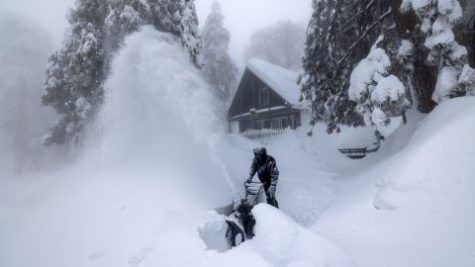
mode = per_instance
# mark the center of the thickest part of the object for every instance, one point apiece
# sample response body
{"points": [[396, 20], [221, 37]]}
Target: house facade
{"points": [[266, 101]]}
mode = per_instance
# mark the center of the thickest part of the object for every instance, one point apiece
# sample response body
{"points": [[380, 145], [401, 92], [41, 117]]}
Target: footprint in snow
{"points": [[138, 257], [97, 255]]}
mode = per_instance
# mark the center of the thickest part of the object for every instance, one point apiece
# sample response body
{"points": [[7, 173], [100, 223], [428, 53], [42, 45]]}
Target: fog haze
{"points": [[51, 14], [242, 17]]}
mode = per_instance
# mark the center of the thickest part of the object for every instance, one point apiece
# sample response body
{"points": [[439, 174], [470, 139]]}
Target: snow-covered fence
{"points": [[264, 133]]}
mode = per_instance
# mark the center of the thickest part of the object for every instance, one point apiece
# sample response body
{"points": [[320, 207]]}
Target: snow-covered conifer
{"points": [[179, 18], [217, 65], [336, 42], [437, 20], [124, 17], [74, 86]]}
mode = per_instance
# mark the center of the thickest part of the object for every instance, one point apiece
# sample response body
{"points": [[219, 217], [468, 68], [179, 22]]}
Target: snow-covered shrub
{"points": [[381, 96]]}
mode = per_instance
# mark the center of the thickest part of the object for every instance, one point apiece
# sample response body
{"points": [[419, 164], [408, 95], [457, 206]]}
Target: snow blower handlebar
{"points": [[253, 189]]}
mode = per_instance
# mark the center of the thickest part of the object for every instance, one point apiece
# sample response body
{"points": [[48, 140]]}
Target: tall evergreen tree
{"points": [[335, 43], [179, 18], [341, 34], [74, 86], [124, 17], [443, 54], [75, 77], [381, 83], [424, 60], [217, 65]]}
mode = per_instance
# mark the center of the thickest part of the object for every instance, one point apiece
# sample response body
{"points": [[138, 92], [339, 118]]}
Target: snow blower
{"points": [[238, 224]]}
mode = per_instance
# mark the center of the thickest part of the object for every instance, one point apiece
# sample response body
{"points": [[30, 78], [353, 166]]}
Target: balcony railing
{"points": [[264, 133]]}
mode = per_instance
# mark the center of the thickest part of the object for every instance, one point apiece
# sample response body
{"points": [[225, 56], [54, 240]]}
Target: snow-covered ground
{"points": [[146, 179], [155, 165], [415, 208]]}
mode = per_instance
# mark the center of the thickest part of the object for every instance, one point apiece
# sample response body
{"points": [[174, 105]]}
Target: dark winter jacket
{"points": [[266, 171]]}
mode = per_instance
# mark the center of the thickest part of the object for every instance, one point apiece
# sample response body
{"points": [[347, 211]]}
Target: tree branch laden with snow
{"points": [[381, 96]]}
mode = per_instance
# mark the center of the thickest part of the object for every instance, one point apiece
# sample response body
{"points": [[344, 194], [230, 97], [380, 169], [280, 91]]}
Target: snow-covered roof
{"points": [[282, 81]]}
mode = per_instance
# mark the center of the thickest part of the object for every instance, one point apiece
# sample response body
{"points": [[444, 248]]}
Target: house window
{"points": [[264, 98]]}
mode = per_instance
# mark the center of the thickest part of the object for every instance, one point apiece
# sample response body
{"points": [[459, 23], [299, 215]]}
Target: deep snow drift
{"points": [[152, 167], [415, 208]]}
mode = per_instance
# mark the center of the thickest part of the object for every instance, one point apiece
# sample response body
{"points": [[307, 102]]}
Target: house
{"points": [[266, 101]]}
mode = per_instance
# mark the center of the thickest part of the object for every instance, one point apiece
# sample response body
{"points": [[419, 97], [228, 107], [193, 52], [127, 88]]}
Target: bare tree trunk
{"points": [[425, 78]]}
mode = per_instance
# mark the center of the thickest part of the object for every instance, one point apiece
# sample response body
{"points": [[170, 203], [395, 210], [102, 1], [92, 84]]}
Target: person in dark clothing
{"points": [[266, 168]]}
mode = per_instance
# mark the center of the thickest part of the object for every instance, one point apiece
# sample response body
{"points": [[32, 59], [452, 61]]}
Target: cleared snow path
{"points": [[313, 173], [305, 189]]}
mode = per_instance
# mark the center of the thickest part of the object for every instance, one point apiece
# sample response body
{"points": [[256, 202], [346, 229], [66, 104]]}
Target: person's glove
{"points": [[249, 180], [271, 191]]}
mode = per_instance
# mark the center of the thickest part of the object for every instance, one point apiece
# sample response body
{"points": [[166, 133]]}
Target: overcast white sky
{"points": [[243, 17], [51, 14]]}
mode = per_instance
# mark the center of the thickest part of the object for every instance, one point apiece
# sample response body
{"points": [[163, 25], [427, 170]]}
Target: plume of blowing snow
{"points": [[158, 113], [156, 101]]}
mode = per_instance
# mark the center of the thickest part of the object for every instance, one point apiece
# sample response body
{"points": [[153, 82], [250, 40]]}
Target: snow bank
{"points": [[279, 241], [414, 209], [282, 242]]}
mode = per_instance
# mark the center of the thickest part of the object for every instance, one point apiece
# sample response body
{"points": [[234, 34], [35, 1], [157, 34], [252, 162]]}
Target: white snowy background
{"points": [[157, 162], [148, 177]]}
